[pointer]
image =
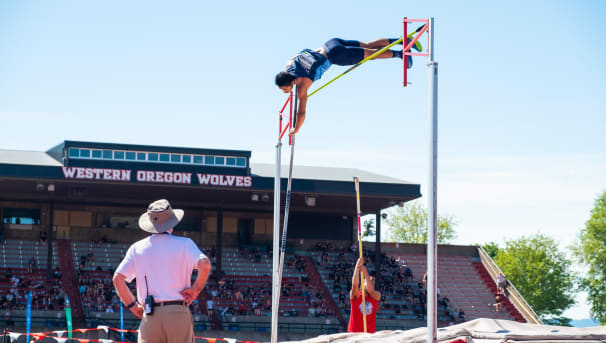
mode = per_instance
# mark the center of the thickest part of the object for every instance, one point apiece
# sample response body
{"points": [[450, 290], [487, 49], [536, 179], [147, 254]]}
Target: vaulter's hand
{"points": [[360, 263], [292, 132]]}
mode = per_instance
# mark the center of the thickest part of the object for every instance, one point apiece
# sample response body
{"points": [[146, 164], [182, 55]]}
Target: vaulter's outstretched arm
{"points": [[303, 84], [355, 279]]}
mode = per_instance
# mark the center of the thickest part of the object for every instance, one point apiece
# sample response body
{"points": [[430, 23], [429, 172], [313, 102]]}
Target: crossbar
{"points": [[357, 65]]}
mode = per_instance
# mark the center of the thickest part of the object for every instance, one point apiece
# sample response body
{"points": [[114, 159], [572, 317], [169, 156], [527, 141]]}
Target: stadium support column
{"points": [[378, 250], [218, 267], [432, 245], [51, 224]]}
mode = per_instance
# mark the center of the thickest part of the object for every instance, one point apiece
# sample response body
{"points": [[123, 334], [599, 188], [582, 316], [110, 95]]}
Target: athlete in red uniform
{"points": [[372, 297]]}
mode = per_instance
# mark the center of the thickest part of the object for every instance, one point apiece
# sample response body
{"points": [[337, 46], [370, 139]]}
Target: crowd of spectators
{"points": [[46, 294], [228, 296]]}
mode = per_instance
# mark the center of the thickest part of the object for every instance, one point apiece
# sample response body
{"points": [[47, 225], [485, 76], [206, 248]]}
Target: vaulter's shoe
{"points": [[408, 62], [417, 46]]}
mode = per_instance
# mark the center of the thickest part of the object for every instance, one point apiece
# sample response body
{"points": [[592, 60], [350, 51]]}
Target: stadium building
{"points": [[83, 199]]}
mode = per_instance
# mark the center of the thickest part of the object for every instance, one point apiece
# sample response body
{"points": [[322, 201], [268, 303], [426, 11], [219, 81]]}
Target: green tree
{"points": [[368, 226], [492, 249], [539, 271], [409, 224], [591, 251]]}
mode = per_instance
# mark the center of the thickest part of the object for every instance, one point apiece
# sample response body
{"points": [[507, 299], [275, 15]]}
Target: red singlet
{"points": [[356, 322]]}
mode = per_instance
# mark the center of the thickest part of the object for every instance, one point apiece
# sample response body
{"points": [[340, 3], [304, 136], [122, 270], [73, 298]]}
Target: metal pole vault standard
{"points": [[363, 286], [278, 255], [432, 244]]}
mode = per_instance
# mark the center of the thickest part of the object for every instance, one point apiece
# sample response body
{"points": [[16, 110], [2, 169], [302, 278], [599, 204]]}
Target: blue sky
{"points": [[521, 94]]}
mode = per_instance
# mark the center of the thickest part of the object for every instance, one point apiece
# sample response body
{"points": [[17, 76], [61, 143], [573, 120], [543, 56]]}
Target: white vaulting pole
{"points": [[432, 246]]}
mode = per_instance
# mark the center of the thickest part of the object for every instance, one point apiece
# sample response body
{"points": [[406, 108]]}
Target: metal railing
{"points": [[514, 295]]}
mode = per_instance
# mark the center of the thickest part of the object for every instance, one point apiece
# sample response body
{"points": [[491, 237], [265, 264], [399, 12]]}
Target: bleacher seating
{"points": [[15, 258], [245, 269], [459, 280], [16, 254]]}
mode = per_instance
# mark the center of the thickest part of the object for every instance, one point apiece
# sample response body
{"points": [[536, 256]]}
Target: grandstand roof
{"points": [[226, 176]]}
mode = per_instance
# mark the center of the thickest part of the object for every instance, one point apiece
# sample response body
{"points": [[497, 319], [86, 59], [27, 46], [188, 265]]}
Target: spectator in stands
{"points": [[57, 274], [31, 265], [162, 264], [461, 314], [90, 257], [497, 303], [502, 284], [8, 275], [372, 298], [43, 237], [209, 307]]}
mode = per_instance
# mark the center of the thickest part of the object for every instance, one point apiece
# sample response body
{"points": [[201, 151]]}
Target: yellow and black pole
{"points": [[362, 284]]}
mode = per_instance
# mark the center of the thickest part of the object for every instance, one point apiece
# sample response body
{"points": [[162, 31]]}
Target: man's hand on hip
{"points": [[190, 294], [137, 310]]}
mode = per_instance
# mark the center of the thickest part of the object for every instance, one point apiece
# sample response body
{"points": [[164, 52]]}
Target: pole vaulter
{"points": [[289, 82]]}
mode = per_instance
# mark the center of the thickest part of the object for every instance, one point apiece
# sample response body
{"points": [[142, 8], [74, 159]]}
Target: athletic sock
{"points": [[397, 53], [391, 40]]}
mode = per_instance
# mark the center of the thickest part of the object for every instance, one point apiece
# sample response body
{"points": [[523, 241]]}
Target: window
{"points": [[107, 154], [175, 158], [231, 161], [164, 158], [97, 153], [219, 160], [198, 159], [84, 153], [118, 155], [140, 156], [186, 158], [131, 155], [152, 156], [241, 162], [209, 160], [191, 223], [21, 216], [74, 152]]}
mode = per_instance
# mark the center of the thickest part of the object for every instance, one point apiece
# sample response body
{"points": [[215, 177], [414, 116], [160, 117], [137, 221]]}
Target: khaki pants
{"points": [[168, 324]]}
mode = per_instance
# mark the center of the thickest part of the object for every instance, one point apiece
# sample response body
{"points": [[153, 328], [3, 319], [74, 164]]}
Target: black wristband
{"points": [[132, 304]]}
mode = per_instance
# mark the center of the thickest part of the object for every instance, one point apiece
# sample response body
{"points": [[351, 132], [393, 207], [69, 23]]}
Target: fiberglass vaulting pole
{"points": [[432, 246]]}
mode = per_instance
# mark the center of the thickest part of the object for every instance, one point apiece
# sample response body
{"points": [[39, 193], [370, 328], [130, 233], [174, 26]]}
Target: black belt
{"points": [[172, 302]]}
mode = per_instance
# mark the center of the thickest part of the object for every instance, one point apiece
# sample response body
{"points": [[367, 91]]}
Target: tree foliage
{"points": [[492, 249], [591, 251], [540, 272], [368, 227], [409, 224]]}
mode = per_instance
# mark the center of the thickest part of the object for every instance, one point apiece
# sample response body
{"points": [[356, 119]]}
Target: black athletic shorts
{"points": [[344, 52]]}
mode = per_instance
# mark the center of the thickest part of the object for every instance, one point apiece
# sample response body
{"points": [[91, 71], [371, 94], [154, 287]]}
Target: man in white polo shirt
{"points": [[163, 265]]}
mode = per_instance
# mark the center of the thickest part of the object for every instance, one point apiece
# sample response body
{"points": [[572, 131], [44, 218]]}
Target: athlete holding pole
{"points": [[364, 303]]}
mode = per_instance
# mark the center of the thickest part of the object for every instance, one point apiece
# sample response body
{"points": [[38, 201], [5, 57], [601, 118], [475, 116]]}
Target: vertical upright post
{"points": [[278, 256], [276, 251], [432, 246], [378, 248], [219, 257], [50, 237], [404, 58]]}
